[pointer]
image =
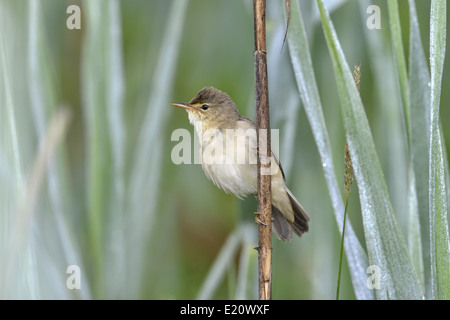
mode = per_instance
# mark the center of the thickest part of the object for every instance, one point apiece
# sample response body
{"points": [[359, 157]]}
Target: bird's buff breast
{"points": [[232, 165], [228, 159]]}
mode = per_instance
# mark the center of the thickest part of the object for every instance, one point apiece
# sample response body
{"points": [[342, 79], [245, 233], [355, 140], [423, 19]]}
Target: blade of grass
{"points": [[389, 121], [114, 74], [341, 251], [94, 66], [419, 79], [307, 85], [412, 92], [221, 264], [20, 284], [23, 218], [247, 259], [439, 241], [146, 166], [446, 169], [41, 88], [348, 180], [385, 243], [400, 61], [10, 111]]}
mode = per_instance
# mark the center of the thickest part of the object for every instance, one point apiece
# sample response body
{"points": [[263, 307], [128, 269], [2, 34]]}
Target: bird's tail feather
{"points": [[280, 226], [301, 217]]}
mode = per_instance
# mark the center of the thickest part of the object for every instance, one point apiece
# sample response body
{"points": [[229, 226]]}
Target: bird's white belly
{"points": [[239, 180], [230, 162]]}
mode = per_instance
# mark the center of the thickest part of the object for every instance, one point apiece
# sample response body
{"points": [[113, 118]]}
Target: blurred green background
{"points": [[111, 201]]}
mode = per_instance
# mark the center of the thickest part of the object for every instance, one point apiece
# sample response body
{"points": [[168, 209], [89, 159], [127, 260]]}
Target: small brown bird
{"points": [[228, 150]]}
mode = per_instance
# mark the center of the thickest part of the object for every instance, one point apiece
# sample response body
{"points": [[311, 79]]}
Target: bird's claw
{"points": [[258, 221]]}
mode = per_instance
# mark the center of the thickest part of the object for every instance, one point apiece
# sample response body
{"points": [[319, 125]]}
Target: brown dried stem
{"points": [[264, 180]]}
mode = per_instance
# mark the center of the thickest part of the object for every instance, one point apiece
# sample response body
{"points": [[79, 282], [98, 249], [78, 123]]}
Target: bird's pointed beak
{"points": [[183, 105]]}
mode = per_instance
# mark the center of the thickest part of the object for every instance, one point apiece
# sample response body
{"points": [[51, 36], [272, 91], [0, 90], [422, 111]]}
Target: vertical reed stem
{"points": [[263, 133]]}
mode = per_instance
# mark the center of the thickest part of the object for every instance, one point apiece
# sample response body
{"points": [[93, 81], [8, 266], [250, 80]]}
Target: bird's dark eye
{"points": [[205, 107]]}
